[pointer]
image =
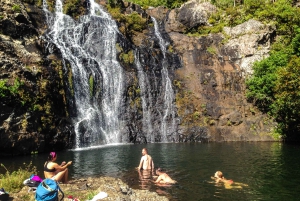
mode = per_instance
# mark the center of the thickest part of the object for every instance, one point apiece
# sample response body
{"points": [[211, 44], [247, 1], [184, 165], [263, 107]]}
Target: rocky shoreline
{"points": [[87, 188]]}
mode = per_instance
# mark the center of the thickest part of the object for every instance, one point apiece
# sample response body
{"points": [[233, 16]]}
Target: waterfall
{"points": [[146, 99], [168, 125], [88, 45]]}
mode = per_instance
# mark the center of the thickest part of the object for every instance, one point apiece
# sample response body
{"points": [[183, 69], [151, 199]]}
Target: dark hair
{"points": [[159, 169], [51, 156]]}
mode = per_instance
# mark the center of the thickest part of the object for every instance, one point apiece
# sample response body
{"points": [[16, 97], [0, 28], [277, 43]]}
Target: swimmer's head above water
{"points": [[219, 174]]}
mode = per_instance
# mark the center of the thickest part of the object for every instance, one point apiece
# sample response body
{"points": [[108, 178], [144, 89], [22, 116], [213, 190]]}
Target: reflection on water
{"points": [[269, 169], [145, 179]]}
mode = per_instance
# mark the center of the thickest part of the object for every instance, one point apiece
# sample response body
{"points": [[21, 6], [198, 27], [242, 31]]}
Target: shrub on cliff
{"points": [[7, 90], [155, 3], [275, 85], [287, 96], [128, 23]]}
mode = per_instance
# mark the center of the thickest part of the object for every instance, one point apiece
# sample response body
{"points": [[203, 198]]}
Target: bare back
{"points": [[164, 178], [147, 162], [49, 165]]}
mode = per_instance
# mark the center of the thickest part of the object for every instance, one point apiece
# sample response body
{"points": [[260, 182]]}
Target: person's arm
{"points": [[218, 180], [141, 163], [61, 168], [152, 165], [159, 179]]}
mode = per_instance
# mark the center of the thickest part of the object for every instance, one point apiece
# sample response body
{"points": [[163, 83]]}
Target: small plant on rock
{"points": [[16, 8]]}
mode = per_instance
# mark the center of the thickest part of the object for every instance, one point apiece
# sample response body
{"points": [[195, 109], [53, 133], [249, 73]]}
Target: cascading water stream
{"points": [[88, 45], [168, 125], [146, 99]]}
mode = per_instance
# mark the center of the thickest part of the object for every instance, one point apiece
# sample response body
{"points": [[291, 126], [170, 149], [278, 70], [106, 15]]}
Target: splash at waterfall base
{"points": [[85, 189]]}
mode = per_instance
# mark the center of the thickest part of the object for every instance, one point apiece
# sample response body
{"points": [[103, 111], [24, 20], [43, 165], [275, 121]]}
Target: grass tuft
{"points": [[13, 181]]}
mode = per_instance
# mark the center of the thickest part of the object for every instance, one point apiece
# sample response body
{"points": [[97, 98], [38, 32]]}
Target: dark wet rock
{"points": [[33, 119]]}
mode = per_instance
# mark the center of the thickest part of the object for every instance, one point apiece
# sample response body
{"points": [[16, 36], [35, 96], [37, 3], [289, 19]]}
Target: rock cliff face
{"points": [[33, 105], [207, 73], [211, 83]]}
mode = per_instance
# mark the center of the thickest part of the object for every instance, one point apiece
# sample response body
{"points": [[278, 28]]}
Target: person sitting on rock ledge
{"points": [[54, 171]]}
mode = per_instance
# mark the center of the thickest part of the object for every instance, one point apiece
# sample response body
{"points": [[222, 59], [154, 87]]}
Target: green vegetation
{"points": [[91, 85], [134, 94], [127, 58], [74, 8], [16, 8], [196, 115], [177, 84], [13, 181], [230, 13], [212, 50], [275, 84], [155, 3], [6, 90], [129, 23], [70, 79]]}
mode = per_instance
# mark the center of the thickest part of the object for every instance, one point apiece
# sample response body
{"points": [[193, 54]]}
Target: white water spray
{"points": [[146, 100], [168, 125], [88, 45]]}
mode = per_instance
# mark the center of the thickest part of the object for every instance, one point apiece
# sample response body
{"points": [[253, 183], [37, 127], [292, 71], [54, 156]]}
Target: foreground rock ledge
{"points": [[82, 189]]}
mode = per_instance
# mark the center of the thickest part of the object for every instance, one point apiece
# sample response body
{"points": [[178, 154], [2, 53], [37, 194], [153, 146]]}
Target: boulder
{"points": [[249, 42], [195, 13]]}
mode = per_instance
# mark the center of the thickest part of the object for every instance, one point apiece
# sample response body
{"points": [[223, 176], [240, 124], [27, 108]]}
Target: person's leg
{"points": [[61, 176], [65, 178]]}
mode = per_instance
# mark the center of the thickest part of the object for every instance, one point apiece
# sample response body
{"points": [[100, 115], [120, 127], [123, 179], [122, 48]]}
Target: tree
{"points": [[261, 84], [296, 43], [286, 107]]}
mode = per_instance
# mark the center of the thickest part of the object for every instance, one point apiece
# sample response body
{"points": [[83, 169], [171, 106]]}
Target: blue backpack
{"points": [[48, 191]]}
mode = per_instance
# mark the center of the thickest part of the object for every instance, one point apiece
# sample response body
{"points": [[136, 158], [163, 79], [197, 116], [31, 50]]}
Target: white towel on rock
{"points": [[99, 196]]}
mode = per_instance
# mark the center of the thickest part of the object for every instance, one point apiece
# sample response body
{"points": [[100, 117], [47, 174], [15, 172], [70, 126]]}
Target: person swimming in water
{"points": [[220, 178], [163, 177], [228, 183]]}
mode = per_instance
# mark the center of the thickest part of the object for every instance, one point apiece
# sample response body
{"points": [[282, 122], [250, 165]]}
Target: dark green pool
{"points": [[271, 170]]}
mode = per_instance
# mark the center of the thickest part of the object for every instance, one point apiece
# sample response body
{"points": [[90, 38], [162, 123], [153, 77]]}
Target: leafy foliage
{"points": [[13, 181], [129, 23], [74, 8], [287, 96], [280, 13], [155, 3], [296, 43], [6, 90], [261, 84], [16, 8], [275, 85]]}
